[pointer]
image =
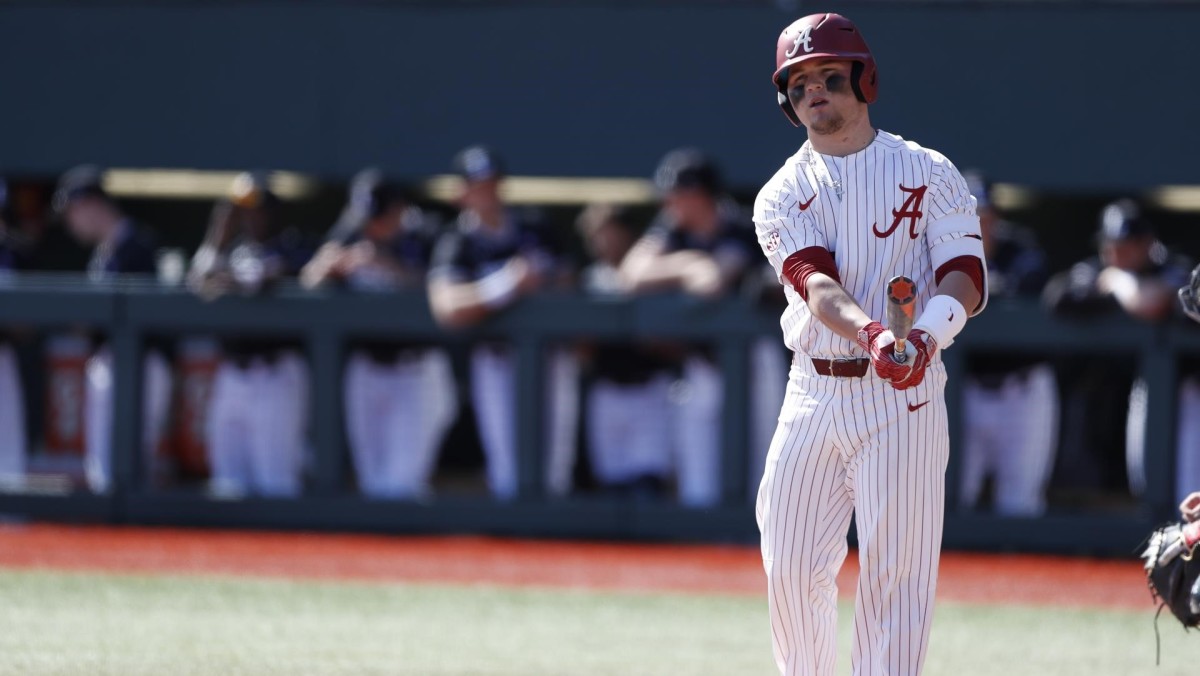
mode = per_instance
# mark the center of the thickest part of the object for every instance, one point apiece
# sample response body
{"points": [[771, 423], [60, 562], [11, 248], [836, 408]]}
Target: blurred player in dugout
{"points": [[490, 258], [398, 395], [1010, 401], [1133, 274], [629, 431], [701, 243], [119, 248], [257, 415]]}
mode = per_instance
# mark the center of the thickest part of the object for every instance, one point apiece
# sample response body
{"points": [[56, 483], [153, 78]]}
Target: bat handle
{"points": [[899, 352]]}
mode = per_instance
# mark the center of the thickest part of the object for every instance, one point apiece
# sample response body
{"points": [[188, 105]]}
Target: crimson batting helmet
{"points": [[824, 36]]}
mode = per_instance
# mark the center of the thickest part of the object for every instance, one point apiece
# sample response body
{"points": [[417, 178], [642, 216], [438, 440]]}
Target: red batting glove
{"points": [[923, 346], [880, 344], [1191, 534]]}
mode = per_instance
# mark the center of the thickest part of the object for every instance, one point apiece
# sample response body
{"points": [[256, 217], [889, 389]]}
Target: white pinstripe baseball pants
{"points": [[852, 445]]}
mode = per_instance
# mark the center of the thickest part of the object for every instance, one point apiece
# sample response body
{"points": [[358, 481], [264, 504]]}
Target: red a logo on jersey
{"points": [[911, 209]]}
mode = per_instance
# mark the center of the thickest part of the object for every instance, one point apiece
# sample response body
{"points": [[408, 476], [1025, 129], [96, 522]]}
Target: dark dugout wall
{"points": [[1057, 95]]}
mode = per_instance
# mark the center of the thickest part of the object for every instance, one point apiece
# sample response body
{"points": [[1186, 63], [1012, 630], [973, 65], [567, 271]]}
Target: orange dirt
{"points": [[973, 578]]}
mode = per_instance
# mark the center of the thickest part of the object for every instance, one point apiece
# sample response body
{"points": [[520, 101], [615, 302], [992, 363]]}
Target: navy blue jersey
{"points": [[1016, 269], [734, 245], [1016, 265], [472, 251], [1074, 294], [130, 252], [411, 248]]}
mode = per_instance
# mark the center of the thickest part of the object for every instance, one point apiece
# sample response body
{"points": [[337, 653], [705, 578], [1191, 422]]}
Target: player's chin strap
{"points": [[943, 318]]}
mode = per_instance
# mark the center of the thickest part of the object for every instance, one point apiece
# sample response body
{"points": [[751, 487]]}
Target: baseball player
{"points": [[119, 248], [629, 413], [398, 395], [257, 414], [12, 398], [1187, 444], [1133, 274], [492, 257], [860, 431], [701, 244], [1010, 401]]}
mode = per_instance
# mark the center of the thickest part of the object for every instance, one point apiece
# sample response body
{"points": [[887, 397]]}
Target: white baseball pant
{"points": [[698, 434], [854, 445], [98, 415], [256, 426], [493, 394], [396, 416], [12, 418], [1010, 433], [629, 429]]}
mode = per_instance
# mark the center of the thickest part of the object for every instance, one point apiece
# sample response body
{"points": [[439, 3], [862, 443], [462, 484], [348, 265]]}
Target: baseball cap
{"points": [[1123, 219], [478, 163], [684, 168], [980, 187], [85, 180]]}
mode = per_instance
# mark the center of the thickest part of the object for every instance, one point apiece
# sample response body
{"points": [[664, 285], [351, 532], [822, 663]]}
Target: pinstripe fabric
{"points": [[857, 445]]}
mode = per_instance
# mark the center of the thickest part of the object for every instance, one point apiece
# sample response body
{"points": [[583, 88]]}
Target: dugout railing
{"points": [[131, 312]]}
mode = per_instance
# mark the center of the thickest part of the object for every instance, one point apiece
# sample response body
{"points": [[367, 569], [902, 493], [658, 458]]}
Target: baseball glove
{"points": [[1172, 562]]}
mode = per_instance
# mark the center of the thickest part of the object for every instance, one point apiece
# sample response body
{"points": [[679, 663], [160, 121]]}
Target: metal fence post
{"points": [[324, 349], [530, 405], [734, 355], [126, 343]]}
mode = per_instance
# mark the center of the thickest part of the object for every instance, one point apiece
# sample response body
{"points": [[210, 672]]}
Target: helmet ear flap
{"points": [[784, 103], [856, 75]]}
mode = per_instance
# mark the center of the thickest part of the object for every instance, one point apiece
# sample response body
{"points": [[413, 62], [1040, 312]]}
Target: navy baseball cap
{"points": [[1123, 220], [980, 187], [684, 168], [86, 180], [478, 163]]}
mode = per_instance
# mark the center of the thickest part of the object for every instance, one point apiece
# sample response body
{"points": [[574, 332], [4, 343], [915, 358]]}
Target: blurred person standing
{"points": [[629, 413], [398, 395], [120, 248], [13, 441], [493, 256], [1133, 274], [1010, 401], [701, 243], [257, 415]]}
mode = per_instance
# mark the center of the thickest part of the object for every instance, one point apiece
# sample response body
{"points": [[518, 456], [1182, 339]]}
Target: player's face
{"points": [[610, 241], [820, 93], [82, 217], [689, 206], [480, 195], [386, 225], [1130, 255]]}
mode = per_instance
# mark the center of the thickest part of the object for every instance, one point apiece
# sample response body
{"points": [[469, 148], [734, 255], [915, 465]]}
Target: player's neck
{"points": [[845, 141]]}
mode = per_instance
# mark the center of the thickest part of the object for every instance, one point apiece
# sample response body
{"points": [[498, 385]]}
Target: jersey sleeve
{"points": [[449, 262], [782, 226], [952, 233]]}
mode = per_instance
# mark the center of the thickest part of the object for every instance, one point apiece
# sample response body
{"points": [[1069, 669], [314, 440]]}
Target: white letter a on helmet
{"points": [[804, 37]]}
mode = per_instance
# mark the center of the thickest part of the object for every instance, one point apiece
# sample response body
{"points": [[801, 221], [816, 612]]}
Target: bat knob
{"points": [[901, 290]]}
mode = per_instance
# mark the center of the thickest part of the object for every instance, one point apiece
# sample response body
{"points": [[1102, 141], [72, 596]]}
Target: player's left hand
{"points": [[921, 346]]}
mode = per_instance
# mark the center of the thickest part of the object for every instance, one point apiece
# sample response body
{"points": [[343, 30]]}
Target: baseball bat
{"points": [[902, 299]]}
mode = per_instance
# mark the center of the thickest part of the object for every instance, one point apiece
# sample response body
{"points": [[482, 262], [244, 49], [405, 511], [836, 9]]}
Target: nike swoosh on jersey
{"points": [[913, 407], [805, 205]]}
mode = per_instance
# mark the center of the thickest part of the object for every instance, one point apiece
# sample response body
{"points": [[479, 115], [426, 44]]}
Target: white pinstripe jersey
{"points": [[871, 210]]}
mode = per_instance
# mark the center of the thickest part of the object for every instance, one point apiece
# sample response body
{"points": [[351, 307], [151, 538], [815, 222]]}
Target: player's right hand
{"points": [[880, 344]]}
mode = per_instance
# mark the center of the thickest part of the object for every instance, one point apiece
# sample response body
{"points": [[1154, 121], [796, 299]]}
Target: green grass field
{"points": [[67, 623]]}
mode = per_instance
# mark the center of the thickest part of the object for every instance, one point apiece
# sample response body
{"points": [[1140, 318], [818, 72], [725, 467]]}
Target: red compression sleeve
{"points": [[968, 265], [803, 264]]}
